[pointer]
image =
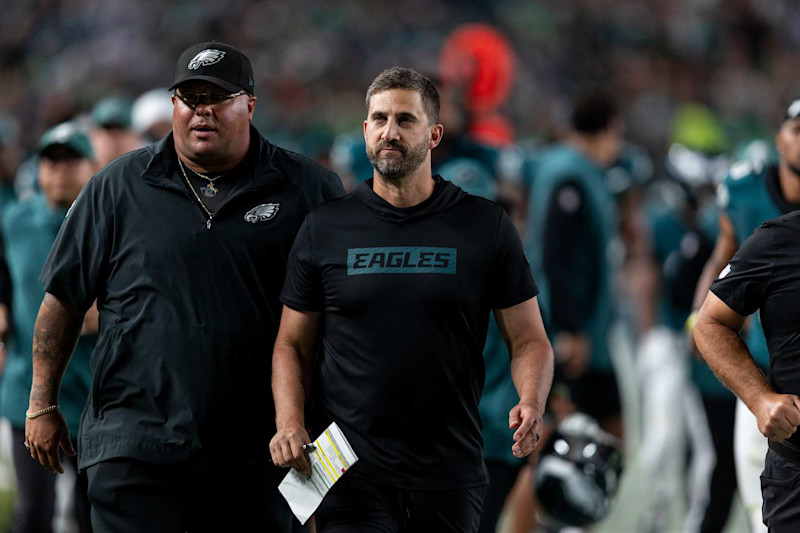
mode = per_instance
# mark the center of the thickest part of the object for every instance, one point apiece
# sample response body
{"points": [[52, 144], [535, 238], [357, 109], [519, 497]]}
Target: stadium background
{"points": [[313, 60]]}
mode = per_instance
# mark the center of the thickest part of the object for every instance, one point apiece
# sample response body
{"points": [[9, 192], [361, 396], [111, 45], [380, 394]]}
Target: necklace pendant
{"points": [[209, 191]]}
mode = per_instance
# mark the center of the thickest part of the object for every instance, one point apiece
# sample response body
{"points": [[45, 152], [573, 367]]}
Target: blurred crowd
{"points": [[694, 86], [57, 58]]}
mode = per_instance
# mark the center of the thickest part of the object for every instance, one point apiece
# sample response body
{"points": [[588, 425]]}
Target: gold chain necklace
{"points": [[197, 196], [209, 191]]}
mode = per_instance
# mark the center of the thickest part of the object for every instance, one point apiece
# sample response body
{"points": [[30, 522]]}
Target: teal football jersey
{"points": [[746, 198], [559, 165]]}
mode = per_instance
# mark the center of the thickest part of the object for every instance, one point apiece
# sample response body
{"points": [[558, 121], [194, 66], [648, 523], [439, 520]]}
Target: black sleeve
{"points": [[572, 257], [302, 290], [511, 282], [743, 283], [78, 260]]}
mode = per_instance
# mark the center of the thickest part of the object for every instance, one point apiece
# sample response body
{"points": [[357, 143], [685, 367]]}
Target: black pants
{"points": [[36, 491], [130, 496], [359, 503], [721, 415], [780, 487], [501, 480]]}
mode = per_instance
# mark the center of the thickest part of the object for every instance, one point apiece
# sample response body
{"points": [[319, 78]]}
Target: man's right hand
{"points": [[778, 416], [44, 435], [286, 448]]}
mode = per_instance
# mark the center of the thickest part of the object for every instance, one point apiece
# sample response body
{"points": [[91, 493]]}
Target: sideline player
{"points": [[572, 221], [399, 279], [65, 165], [112, 133]]}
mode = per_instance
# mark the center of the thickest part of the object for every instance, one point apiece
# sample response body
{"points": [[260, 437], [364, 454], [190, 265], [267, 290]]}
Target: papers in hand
{"points": [[330, 459]]}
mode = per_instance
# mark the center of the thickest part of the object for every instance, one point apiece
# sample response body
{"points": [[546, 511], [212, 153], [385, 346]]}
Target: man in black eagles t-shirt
{"points": [[763, 276], [398, 279]]}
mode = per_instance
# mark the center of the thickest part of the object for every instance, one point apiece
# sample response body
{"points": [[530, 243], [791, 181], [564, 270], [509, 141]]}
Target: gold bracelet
{"points": [[690, 322], [41, 412]]}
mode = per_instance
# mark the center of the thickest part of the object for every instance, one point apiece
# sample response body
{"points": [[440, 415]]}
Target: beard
{"points": [[393, 169]]}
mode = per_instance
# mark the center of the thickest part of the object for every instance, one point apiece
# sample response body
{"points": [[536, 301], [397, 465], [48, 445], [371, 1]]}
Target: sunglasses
{"points": [[194, 99]]}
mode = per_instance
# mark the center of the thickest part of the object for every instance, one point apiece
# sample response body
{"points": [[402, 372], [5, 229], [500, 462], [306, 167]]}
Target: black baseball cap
{"points": [[217, 62]]}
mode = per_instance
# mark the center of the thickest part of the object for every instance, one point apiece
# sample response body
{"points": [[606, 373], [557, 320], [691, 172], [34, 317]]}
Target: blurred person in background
{"points": [[685, 409], [183, 243], [112, 133], [571, 223], [10, 157], [151, 115], [755, 190], [478, 71], [478, 63], [29, 229]]}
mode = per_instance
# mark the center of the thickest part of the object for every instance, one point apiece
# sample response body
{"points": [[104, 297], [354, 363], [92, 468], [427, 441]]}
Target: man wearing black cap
{"points": [[184, 245], [754, 191], [29, 227]]}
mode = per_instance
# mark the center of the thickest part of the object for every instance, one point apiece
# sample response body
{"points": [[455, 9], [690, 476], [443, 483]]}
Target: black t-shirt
{"points": [[406, 297], [764, 275]]}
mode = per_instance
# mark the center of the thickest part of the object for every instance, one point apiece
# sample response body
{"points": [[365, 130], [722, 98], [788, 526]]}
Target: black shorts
{"points": [[595, 393], [359, 503], [780, 487]]}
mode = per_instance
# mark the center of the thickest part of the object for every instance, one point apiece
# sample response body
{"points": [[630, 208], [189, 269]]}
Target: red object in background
{"points": [[479, 58], [493, 129]]}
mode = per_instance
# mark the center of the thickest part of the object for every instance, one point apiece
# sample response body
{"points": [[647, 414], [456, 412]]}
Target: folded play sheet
{"points": [[331, 458]]}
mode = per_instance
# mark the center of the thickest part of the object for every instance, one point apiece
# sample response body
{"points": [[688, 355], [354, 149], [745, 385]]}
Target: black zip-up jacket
{"points": [[188, 305]]}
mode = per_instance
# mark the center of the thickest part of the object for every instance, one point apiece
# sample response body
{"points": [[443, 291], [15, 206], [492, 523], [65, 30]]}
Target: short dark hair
{"points": [[593, 111], [409, 79]]}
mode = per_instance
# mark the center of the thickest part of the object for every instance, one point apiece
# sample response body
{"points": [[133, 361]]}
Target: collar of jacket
{"points": [[161, 168]]}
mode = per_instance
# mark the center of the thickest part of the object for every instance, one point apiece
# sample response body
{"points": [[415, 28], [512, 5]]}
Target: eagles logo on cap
{"points": [[204, 62], [205, 58]]}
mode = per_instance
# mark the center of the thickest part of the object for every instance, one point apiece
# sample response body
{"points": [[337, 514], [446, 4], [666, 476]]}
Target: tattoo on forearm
{"points": [[54, 338]]}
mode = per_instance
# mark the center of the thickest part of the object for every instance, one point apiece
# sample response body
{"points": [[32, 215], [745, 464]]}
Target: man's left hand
{"points": [[527, 420]]}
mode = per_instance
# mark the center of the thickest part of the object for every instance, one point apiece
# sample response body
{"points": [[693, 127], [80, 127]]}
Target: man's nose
{"points": [[390, 131], [202, 109]]}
